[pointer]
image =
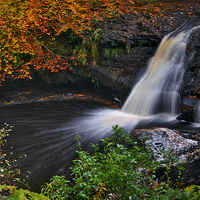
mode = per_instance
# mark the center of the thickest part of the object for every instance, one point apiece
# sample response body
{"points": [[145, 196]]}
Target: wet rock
{"points": [[165, 139], [61, 77], [122, 71], [190, 110], [190, 90]]}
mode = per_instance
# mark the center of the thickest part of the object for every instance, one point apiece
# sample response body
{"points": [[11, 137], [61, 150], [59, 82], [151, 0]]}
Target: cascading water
{"points": [[157, 91]]}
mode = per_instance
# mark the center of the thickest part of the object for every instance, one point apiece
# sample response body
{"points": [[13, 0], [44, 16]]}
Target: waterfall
{"points": [[157, 90], [155, 99]]}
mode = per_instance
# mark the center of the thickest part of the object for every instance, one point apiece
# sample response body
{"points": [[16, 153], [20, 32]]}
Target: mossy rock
{"points": [[20, 194]]}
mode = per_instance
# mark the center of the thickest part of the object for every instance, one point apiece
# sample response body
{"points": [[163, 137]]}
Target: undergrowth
{"points": [[124, 169], [10, 178]]}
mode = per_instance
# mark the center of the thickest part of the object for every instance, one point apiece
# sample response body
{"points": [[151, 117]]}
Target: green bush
{"points": [[124, 170], [189, 193]]}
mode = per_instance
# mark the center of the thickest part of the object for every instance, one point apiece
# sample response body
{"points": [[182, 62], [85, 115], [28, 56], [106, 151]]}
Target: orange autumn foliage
{"points": [[27, 27]]}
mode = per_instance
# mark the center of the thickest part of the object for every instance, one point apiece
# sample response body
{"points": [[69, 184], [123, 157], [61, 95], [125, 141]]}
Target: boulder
{"points": [[162, 141]]}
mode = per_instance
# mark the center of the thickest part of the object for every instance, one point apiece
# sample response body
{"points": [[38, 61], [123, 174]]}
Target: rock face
{"points": [[191, 88], [128, 42]]}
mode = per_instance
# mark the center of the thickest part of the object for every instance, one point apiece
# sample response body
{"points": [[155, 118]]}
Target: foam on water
{"points": [[100, 121], [97, 124]]}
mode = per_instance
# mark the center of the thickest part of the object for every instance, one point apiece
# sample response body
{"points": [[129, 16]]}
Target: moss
{"points": [[116, 51], [81, 50], [94, 44], [94, 54], [94, 5], [107, 54], [128, 47], [21, 194]]}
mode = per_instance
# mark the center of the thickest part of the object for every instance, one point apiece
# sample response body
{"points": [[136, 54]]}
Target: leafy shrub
{"points": [[124, 170], [189, 193], [57, 189]]}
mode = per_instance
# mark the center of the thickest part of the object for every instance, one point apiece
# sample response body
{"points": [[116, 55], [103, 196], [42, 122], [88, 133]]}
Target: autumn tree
{"points": [[29, 28]]}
